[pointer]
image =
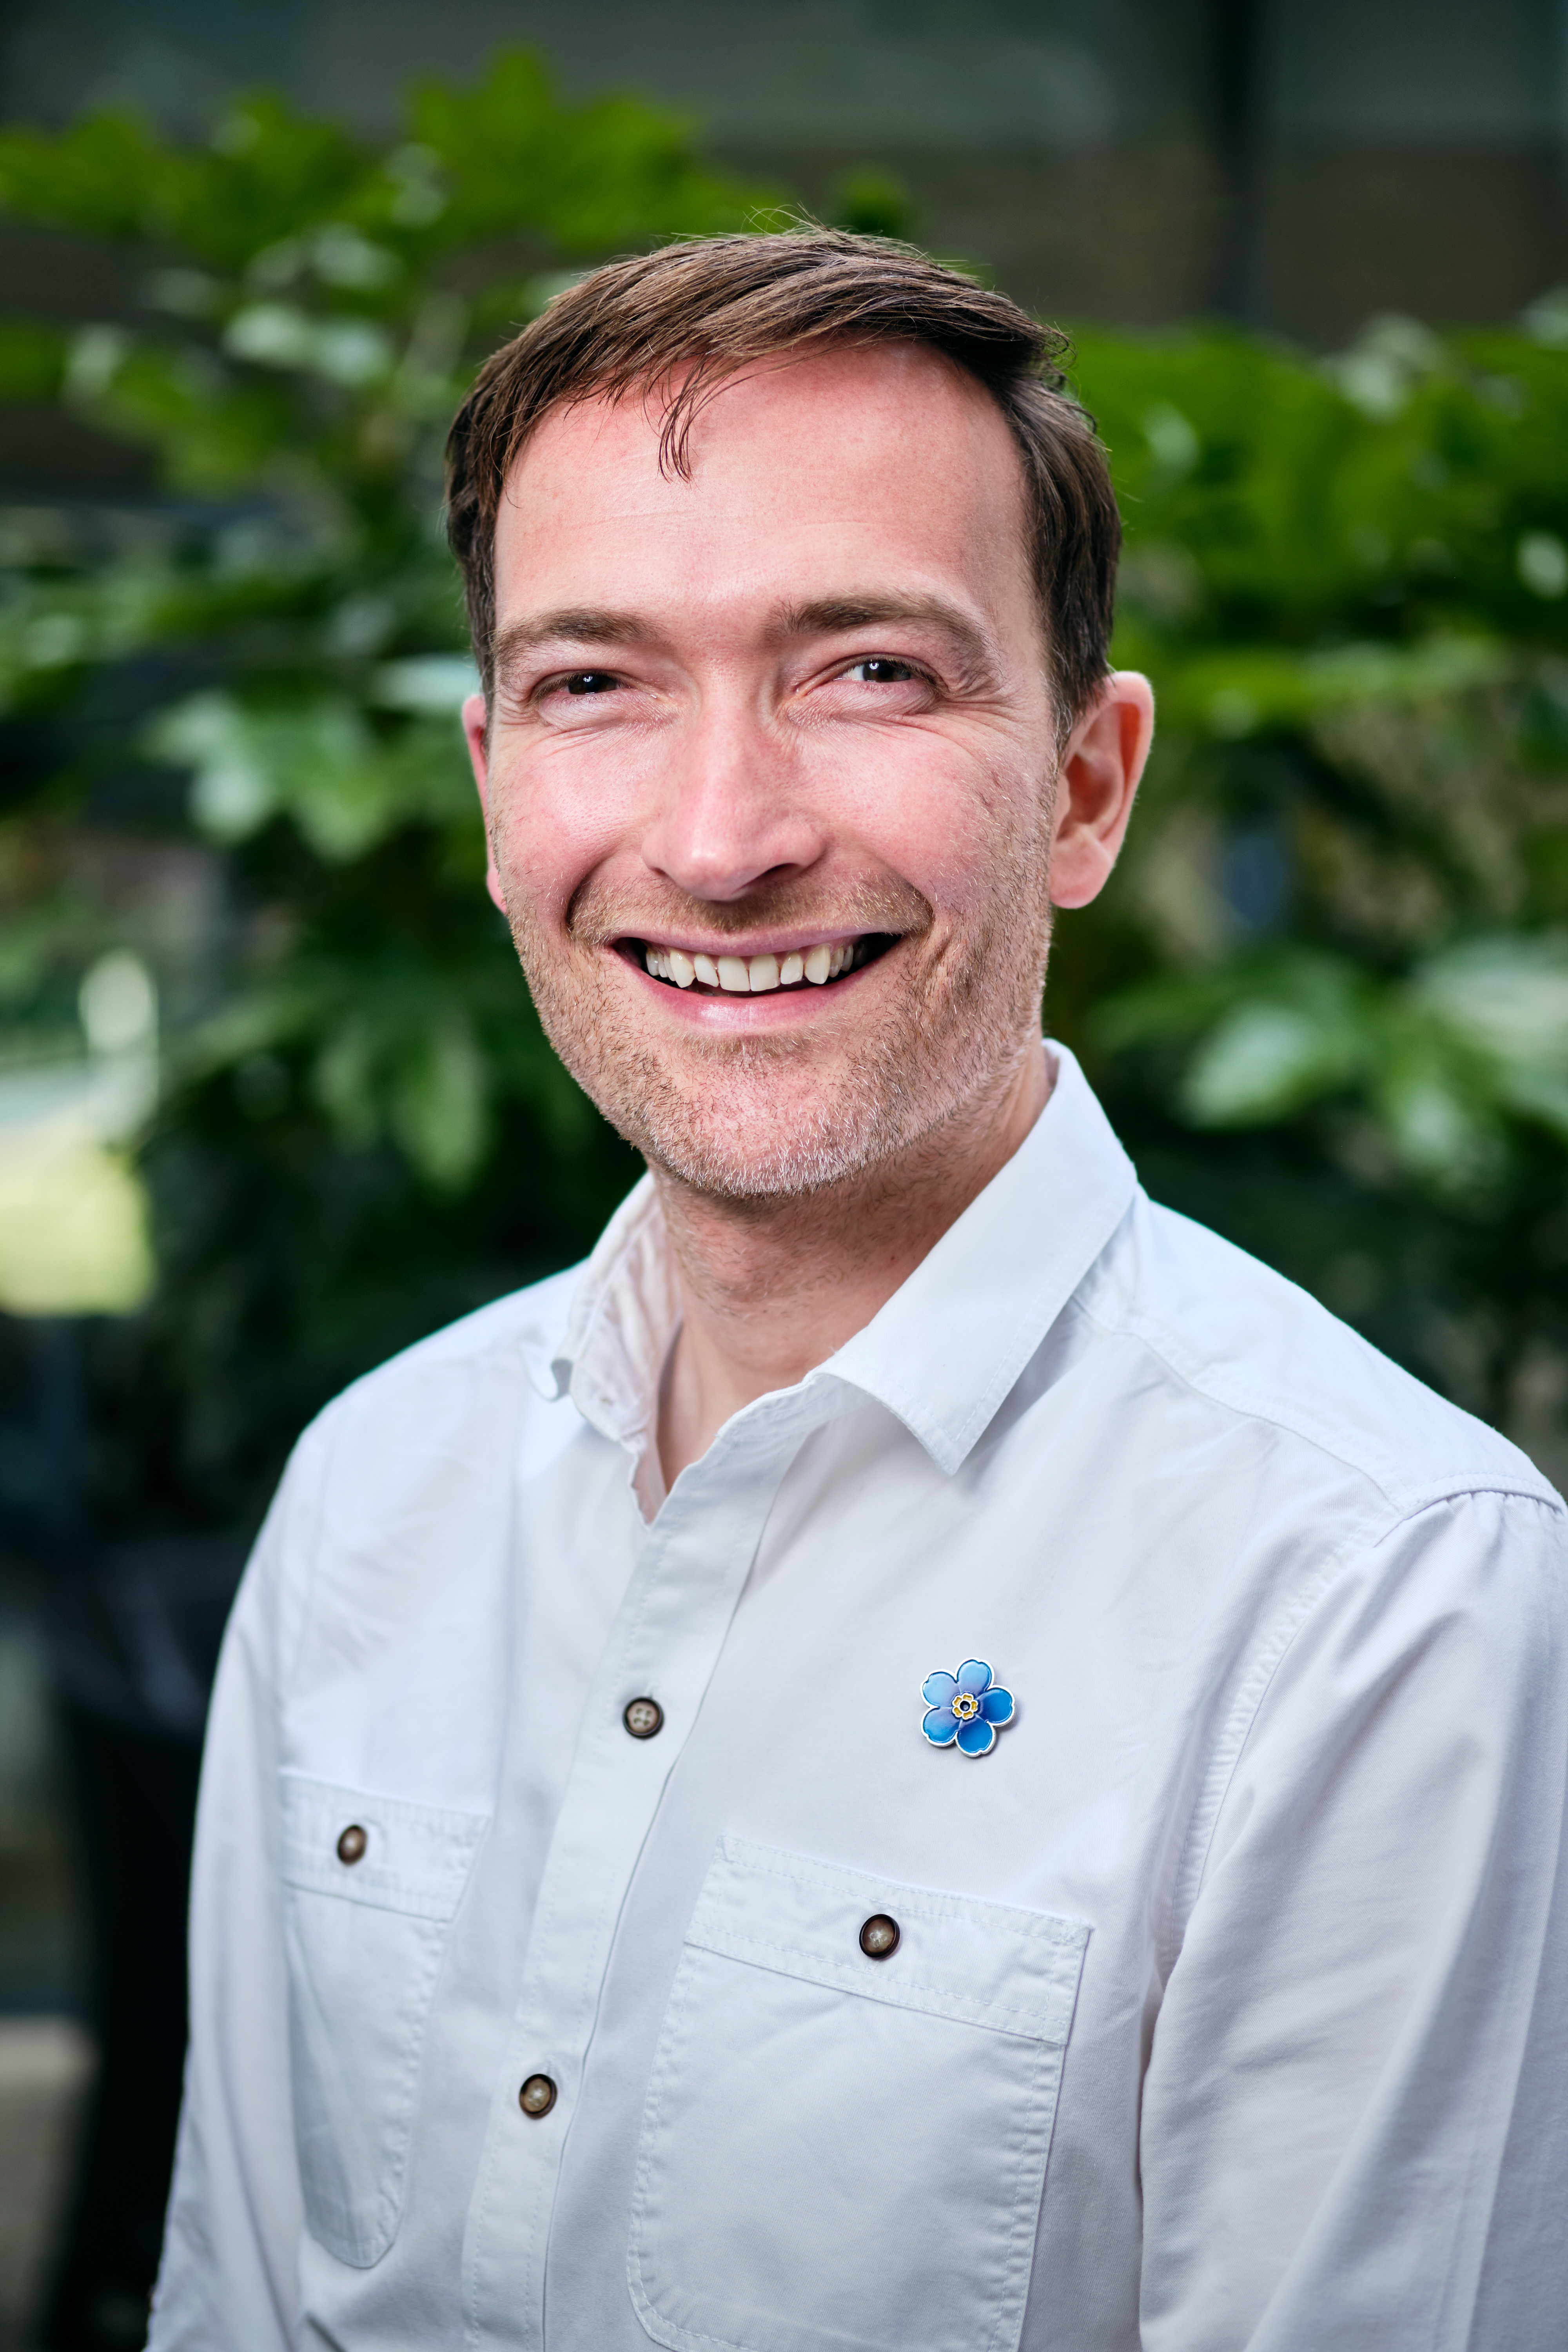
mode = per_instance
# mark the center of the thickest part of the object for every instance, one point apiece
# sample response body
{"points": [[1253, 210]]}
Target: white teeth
{"points": [[755, 975]]}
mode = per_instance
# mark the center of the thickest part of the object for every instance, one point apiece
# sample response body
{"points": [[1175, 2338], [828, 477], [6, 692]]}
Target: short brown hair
{"points": [[702, 311]]}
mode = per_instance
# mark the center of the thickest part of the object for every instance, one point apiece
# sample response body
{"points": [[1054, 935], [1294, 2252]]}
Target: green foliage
{"points": [[1326, 995], [244, 693], [1328, 991]]}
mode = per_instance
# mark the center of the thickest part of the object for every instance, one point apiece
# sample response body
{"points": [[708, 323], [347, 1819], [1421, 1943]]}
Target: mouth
{"points": [[804, 968]]}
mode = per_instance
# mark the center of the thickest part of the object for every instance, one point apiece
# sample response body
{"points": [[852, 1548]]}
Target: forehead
{"points": [[880, 466]]}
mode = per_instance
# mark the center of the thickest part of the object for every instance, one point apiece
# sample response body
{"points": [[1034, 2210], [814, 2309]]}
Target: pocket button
{"points": [[537, 2096], [880, 1937], [353, 1844]]}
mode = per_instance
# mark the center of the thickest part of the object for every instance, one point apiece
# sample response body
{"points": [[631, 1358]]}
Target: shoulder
{"points": [[491, 1366], [1259, 1349], [410, 1469]]}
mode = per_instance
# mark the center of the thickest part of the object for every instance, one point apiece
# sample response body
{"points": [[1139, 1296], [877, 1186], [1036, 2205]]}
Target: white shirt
{"points": [[1230, 2002]]}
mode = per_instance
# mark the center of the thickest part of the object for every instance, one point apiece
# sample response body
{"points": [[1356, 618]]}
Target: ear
{"points": [[1095, 785], [476, 730]]}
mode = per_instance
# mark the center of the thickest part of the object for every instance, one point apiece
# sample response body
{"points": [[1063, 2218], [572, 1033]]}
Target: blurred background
{"points": [[273, 1100]]}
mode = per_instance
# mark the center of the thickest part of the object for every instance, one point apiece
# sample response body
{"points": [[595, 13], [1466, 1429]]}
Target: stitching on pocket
{"points": [[1026, 2216], [1032, 2126], [311, 1808], [665, 2332], [927, 1903], [357, 2218], [940, 2001], [398, 2136]]}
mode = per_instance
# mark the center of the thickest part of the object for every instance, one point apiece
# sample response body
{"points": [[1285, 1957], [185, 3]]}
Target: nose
{"points": [[732, 812]]}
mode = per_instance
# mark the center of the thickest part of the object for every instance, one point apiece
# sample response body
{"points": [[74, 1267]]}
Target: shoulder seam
{"points": [[1402, 1503], [1208, 1802], [1252, 1693]]}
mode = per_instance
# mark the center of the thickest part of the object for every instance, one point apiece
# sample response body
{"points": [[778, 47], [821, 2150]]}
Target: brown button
{"points": [[643, 1717], [880, 1937], [537, 2095], [353, 1844]]}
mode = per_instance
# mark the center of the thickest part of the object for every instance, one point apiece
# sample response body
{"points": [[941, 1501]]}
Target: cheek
{"points": [[561, 812], [948, 820]]}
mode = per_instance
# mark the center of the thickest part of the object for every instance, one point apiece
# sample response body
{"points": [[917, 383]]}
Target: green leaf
{"points": [[440, 1106], [1264, 1061], [316, 761]]}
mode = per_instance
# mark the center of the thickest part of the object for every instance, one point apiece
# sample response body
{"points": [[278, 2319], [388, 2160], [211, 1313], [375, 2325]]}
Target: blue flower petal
{"points": [[974, 1675], [976, 1739], [997, 1707], [937, 1689], [941, 1727]]}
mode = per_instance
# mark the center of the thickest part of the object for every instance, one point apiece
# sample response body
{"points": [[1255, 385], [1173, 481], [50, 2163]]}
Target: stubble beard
{"points": [[708, 1111]]}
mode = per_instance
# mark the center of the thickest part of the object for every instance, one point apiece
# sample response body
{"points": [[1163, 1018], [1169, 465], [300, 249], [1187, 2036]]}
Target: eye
{"points": [[592, 681], [880, 670]]}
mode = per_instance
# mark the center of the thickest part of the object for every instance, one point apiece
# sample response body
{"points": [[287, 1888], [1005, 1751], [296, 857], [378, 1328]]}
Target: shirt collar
{"points": [[947, 1350], [605, 1328], [948, 1347]]}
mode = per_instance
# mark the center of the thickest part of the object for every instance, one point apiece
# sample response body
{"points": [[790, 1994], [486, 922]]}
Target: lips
{"points": [[758, 975]]}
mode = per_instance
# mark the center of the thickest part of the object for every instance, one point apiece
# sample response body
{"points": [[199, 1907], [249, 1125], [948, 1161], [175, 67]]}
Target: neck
{"points": [[769, 1288]]}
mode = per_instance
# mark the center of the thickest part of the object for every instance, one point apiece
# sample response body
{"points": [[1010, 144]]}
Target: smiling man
{"points": [[919, 1755]]}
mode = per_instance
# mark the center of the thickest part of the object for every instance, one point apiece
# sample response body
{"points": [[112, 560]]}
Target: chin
{"points": [[777, 1118], [791, 1171], [754, 1148]]}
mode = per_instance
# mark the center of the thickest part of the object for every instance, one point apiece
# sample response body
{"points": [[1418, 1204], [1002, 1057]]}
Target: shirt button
{"points": [[353, 1844], [880, 1937], [643, 1717], [537, 2095]]}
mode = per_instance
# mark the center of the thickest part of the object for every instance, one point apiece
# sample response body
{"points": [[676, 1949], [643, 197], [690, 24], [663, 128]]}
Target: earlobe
{"points": [[1095, 787], [476, 731]]}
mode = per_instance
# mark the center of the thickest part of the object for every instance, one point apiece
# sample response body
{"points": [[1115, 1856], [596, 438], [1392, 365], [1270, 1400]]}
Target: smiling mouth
{"points": [[758, 975]]}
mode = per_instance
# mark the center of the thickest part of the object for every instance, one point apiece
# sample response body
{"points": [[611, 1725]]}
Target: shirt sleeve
{"points": [[232, 2236], [1355, 2121]]}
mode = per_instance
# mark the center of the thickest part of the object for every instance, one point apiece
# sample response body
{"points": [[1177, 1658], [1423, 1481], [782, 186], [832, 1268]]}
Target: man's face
{"points": [[788, 716]]}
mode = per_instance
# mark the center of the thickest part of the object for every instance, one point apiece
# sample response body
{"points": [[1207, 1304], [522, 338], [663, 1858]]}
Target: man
{"points": [[919, 1755]]}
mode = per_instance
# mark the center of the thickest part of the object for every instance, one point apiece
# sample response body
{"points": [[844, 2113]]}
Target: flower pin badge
{"points": [[966, 1710]]}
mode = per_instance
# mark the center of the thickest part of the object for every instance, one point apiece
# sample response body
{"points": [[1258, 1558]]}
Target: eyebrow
{"points": [[822, 616], [827, 615], [583, 626]]}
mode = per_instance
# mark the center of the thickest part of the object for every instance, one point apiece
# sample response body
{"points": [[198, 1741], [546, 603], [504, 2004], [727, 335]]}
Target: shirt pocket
{"points": [[364, 1937], [846, 2152]]}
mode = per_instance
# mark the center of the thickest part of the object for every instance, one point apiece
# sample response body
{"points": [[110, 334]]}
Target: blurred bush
{"points": [[1327, 996], [232, 751]]}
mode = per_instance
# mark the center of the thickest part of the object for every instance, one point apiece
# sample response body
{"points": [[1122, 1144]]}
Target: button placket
{"points": [[668, 1636]]}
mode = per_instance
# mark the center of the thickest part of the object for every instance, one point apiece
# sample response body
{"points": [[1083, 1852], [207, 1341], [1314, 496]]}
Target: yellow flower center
{"points": [[966, 1706]]}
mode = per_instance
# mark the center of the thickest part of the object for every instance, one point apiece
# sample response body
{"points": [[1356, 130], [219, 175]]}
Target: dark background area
{"points": [[1387, 155]]}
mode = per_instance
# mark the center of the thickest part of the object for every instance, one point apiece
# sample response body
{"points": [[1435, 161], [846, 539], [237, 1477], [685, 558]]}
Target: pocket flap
{"points": [[977, 1962], [414, 1858]]}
